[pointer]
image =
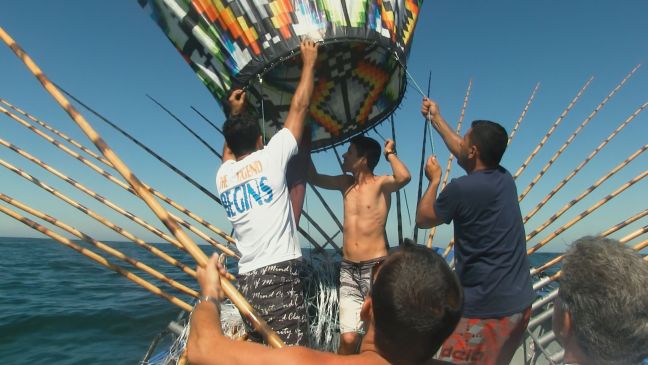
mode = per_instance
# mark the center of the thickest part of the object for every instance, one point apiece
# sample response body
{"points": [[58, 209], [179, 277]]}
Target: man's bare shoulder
{"points": [[301, 355]]}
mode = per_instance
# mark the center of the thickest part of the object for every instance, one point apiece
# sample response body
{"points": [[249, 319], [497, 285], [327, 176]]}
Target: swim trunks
{"points": [[490, 341], [276, 293], [355, 281]]}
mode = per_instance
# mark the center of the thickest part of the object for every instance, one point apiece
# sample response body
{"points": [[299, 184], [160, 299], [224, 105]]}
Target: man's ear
{"points": [[473, 152], [366, 311], [562, 325]]}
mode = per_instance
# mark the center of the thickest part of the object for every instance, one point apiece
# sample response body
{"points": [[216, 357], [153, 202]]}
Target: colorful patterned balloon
{"points": [[253, 44]]}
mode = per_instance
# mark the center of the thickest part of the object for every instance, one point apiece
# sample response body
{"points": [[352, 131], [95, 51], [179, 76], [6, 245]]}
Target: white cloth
{"points": [[255, 197]]}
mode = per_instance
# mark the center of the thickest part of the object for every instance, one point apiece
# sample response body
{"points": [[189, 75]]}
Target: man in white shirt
{"points": [[252, 186]]}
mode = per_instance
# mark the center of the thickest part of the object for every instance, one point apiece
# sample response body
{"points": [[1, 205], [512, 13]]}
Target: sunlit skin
{"points": [[367, 199]]}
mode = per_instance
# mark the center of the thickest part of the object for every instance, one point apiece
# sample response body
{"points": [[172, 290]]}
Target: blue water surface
{"points": [[59, 307]]}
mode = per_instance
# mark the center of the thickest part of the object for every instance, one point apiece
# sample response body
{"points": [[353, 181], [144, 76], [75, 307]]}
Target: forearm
{"points": [[206, 336], [400, 171], [300, 103], [451, 139], [425, 214]]}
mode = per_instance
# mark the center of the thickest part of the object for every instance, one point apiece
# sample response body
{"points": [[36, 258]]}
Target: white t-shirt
{"points": [[256, 200]]}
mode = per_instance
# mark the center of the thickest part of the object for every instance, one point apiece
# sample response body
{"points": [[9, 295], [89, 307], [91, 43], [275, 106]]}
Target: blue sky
{"points": [[110, 54]]}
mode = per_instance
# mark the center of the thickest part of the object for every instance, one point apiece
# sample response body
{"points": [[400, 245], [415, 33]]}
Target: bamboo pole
{"points": [[620, 225], [98, 218], [587, 191], [117, 208], [524, 112], [399, 215], [100, 245], [91, 193], [125, 186], [582, 164], [169, 165], [422, 164], [451, 157], [198, 255], [574, 134], [608, 232], [634, 234], [97, 258], [553, 127], [58, 133], [186, 127], [587, 212], [637, 247]]}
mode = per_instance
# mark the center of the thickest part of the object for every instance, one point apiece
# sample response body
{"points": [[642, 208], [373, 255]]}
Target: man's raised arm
{"points": [[426, 215], [339, 182], [430, 111], [401, 175], [301, 100]]}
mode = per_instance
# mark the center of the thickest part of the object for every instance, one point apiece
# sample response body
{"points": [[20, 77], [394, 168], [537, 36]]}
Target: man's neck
{"points": [[362, 176]]}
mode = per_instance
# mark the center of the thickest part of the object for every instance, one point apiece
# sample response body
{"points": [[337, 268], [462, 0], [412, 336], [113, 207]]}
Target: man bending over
{"points": [[413, 306], [367, 198]]}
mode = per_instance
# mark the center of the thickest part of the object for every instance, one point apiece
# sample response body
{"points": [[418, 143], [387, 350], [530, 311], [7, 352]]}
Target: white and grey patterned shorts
{"points": [[276, 293]]}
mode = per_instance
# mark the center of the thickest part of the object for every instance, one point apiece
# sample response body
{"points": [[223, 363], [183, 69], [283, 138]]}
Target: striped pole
{"points": [[524, 112], [574, 134], [98, 258], [582, 164], [553, 127], [587, 212], [585, 193], [100, 245], [107, 175], [611, 230], [198, 255]]}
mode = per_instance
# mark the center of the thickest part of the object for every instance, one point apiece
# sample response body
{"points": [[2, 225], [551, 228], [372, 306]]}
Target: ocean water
{"points": [[59, 307]]}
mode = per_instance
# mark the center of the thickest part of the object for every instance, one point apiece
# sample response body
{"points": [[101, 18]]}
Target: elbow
{"points": [[195, 353], [421, 222], [406, 179]]}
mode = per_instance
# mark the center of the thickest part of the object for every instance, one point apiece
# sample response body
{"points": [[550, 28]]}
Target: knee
{"points": [[349, 338]]}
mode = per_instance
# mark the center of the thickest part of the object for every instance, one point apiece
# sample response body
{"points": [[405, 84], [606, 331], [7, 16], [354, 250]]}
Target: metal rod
{"points": [[399, 217], [200, 139], [451, 156], [422, 165]]}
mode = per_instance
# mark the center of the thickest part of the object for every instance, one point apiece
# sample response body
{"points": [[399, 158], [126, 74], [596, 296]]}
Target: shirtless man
{"points": [[409, 335], [367, 198]]}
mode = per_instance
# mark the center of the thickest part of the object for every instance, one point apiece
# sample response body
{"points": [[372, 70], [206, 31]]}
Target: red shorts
{"points": [[487, 341]]}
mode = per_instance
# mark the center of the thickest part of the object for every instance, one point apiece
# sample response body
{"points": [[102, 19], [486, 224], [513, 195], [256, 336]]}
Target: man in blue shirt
{"points": [[490, 249]]}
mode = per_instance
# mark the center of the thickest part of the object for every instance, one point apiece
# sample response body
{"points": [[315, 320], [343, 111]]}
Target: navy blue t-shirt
{"points": [[490, 243]]}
